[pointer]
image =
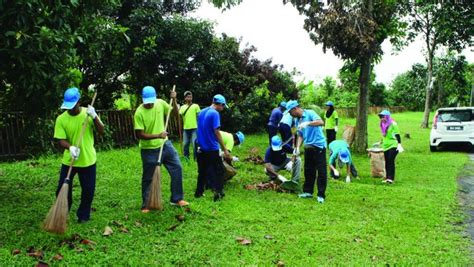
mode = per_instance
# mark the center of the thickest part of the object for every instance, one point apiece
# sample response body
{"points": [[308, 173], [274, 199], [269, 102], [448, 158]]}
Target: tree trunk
{"points": [[360, 144], [429, 85]]}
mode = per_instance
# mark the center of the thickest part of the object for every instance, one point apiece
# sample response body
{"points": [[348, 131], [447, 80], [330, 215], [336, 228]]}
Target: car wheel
{"points": [[433, 148]]}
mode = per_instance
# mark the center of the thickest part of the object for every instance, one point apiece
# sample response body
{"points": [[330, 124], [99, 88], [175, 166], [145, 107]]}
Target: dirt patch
{"points": [[466, 197]]}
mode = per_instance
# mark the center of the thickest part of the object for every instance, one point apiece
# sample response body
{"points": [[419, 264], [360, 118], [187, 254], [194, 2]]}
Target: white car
{"points": [[452, 126]]}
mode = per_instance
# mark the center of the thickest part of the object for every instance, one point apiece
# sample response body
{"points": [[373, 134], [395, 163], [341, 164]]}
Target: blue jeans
{"points": [[171, 161], [189, 137], [87, 177]]}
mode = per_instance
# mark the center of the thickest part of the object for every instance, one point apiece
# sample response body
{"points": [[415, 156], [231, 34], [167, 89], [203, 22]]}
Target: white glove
{"points": [[303, 125], [336, 173], [400, 148], [296, 152], [335, 129], [282, 178], [348, 179], [289, 166], [91, 112], [235, 158], [74, 151]]}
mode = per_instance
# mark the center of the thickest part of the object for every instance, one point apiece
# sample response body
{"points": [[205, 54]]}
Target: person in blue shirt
{"points": [[310, 130], [276, 159], [274, 120], [286, 123], [339, 152], [209, 140]]}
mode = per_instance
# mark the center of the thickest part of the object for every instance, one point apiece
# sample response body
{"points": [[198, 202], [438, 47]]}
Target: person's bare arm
{"points": [[99, 126], [269, 168]]}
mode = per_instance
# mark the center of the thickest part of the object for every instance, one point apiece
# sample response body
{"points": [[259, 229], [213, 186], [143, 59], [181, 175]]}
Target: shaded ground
{"points": [[466, 193]]}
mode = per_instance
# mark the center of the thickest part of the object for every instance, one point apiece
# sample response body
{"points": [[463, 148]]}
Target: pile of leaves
{"points": [[254, 157]]}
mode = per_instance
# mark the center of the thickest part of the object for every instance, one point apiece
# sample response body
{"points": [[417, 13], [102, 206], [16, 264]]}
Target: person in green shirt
{"points": [[391, 143], [331, 120], [230, 140], [339, 152], [189, 112], [149, 125], [67, 131]]}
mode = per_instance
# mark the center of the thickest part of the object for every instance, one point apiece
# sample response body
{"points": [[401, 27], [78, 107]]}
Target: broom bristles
{"points": [[56, 220], [155, 201]]}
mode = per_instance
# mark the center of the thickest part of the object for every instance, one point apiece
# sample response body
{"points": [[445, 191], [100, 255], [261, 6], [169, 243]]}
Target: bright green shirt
{"points": [[228, 140], [190, 119], [151, 121], [68, 127], [331, 121], [389, 140]]}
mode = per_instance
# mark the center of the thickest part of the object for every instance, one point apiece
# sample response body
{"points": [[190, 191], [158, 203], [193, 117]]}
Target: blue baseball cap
{"points": [[330, 104], [344, 156], [283, 104], [276, 143], [241, 137], [291, 105], [148, 95], [71, 97], [219, 99], [385, 113]]}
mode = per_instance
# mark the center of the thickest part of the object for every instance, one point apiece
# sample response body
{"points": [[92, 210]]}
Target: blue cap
{"points": [[241, 137], [291, 105], [283, 104], [344, 156], [385, 112], [330, 104], [219, 99], [148, 95], [71, 97], [276, 143]]}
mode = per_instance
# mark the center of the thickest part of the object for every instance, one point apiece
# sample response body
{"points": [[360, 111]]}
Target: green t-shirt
{"points": [[228, 140], [68, 127], [331, 121], [190, 119], [151, 121], [389, 140]]}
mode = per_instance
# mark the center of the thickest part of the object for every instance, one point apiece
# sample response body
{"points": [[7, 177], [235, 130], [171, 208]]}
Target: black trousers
{"points": [[210, 167], [390, 156], [272, 131], [331, 135], [315, 163]]}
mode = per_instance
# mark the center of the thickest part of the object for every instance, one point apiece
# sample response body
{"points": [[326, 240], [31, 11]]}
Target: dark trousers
{"points": [[87, 176], [390, 156], [272, 131], [210, 167], [315, 161], [331, 135]]}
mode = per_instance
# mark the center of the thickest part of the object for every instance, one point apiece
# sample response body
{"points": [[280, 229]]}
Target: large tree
{"points": [[440, 23], [354, 31]]}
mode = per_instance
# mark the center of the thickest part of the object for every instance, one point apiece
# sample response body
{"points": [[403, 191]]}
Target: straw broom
{"points": [[155, 200], [56, 220]]}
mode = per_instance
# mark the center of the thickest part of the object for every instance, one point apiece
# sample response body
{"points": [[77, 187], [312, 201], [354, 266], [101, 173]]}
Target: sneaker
{"points": [[181, 203], [321, 200], [389, 181], [145, 210], [305, 195]]}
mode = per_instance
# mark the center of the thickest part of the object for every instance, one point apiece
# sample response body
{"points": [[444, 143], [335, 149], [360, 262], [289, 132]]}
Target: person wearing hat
{"points": [[274, 120], [391, 143], [67, 130], [209, 140], [149, 125], [339, 152], [310, 131], [189, 112], [230, 140], [276, 159], [331, 121], [286, 123]]}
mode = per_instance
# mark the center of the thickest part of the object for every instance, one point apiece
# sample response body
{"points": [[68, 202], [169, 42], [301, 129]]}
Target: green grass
{"points": [[415, 221]]}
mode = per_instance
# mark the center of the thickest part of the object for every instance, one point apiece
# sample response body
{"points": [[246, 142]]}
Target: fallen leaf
{"points": [[58, 257], [88, 242], [125, 217], [41, 264], [358, 240], [16, 251], [249, 187], [243, 241], [117, 223], [280, 263], [36, 254], [173, 227], [79, 250], [107, 231], [138, 224], [76, 237], [179, 217], [124, 230], [268, 237]]}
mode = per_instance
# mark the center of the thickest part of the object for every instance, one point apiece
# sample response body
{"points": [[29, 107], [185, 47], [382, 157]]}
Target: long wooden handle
{"points": [[166, 125]]}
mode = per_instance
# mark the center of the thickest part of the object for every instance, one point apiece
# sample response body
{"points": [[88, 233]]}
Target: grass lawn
{"points": [[417, 220]]}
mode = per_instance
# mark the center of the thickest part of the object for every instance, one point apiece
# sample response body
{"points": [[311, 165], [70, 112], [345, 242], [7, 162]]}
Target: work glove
{"points": [[74, 151], [235, 159], [400, 148], [289, 166], [296, 152], [335, 129], [282, 178], [91, 112], [303, 125], [336, 173], [348, 179]]}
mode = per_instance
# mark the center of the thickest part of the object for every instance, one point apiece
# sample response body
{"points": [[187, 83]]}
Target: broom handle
{"points": [[83, 130], [166, 126]]}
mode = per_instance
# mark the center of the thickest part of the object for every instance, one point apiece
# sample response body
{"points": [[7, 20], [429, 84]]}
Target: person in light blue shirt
{"points": [[310, 130]]}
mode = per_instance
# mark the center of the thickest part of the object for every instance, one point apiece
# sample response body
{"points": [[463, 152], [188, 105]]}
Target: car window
{"points": [[455, 115]]}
